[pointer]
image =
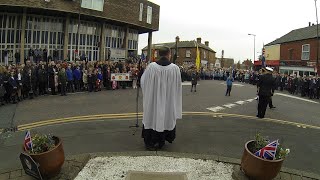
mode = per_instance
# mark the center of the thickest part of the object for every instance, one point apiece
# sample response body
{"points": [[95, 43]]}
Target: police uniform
{"points": [[265, 84]]}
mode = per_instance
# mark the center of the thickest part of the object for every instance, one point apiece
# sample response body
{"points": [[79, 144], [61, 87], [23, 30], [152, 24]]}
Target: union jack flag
{"points": [[27, 141], [268, 152]]}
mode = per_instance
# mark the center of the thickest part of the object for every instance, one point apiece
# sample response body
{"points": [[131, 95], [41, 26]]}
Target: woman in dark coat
{"points": [[2, 89]]}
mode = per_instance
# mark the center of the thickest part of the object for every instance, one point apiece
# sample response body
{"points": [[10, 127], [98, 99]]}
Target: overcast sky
{"points": [[226, 23]]}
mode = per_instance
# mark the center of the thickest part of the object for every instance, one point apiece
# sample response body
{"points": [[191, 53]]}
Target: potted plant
{"points": [[47, 151], [257, 167]]}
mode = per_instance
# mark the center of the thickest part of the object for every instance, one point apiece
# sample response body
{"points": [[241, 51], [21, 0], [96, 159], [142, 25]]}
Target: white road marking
{"points": [[294, 97], [216, 109], [241, 102], [233, 84], [187, 84], [250, 100], [229, 105]]}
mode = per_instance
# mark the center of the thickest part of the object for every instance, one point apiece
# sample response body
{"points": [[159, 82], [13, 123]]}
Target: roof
{"points": [[181, 44], [309, 32]]}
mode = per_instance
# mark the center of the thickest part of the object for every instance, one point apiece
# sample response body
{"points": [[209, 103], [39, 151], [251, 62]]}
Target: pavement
{"points": [[99, 122]]}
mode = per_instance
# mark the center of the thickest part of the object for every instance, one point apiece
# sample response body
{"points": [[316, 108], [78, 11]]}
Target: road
{"points": [[212, 123]]}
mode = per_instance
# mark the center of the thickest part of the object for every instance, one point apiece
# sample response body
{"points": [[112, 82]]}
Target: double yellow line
{"points": [[126, 116], [77, 119]]}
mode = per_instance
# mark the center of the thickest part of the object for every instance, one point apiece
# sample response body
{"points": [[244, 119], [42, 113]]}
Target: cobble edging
{"points": [[74, 164]]}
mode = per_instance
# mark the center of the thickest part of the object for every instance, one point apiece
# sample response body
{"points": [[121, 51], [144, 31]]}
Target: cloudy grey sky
{"points": [[226, 23]]}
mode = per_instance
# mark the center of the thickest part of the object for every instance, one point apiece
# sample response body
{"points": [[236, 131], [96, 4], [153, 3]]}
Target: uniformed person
{"points": [[265, 90]]}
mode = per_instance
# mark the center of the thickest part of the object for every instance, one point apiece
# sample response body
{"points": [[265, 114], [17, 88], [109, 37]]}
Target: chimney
{"points": [[312, 24], [206, 43], [199, 40], [309, 24], [177, 39]]}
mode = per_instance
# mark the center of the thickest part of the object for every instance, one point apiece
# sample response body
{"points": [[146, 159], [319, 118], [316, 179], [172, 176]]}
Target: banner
{"points": [[120, 77], [198, 59], [117, 54]]}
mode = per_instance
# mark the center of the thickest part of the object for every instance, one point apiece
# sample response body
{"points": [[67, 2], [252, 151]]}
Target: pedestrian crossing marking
{"points": [[233, 84], [229, 105], [240, 102], [187, 84], [216, 109]]}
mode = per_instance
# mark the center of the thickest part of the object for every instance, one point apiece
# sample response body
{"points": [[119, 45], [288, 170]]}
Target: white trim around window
{"points": [[141, 12], [305, 53], [149, 15]]}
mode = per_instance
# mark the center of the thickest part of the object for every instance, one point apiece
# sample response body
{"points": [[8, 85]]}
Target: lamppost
{"points": [[176, 53], [317, 63], [254, 46]]}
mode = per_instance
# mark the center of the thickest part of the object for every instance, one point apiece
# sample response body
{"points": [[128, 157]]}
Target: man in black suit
{"points": [[265, 90]]}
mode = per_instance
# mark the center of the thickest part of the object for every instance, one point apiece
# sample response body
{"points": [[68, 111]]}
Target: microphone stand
{"points": [[137, 98]]}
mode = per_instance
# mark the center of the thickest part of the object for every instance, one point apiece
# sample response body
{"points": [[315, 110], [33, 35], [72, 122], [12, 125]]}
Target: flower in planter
{"points": [[40, 143], [262, 142]]}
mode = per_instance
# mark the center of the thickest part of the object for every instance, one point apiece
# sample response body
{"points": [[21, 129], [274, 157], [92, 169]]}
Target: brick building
{"points": [[107, 27], [187, 52], [298, 52]]}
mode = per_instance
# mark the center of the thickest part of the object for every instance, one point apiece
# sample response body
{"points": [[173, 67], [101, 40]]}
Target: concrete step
{"points": [[141, 175]]}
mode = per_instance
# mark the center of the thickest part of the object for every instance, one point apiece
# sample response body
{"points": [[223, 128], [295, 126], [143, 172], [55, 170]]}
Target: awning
{"points": [[268, 63]]}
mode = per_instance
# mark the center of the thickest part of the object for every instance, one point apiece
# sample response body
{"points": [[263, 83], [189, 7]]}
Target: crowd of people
{"points": [[306, 86], [29, 80], [23, 81]]}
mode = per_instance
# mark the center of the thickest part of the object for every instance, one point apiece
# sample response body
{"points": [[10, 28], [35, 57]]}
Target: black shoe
{"points": [[150, 148], [273, 107]]}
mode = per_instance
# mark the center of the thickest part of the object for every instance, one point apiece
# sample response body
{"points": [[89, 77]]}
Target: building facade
{"points": [[187, 52], [96, 28], [226, 62], [297, 52]]}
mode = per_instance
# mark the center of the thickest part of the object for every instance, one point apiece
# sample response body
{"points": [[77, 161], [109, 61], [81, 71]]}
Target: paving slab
{"points": [[5, 175], [15, 174], [285, 176], [140, 175]]}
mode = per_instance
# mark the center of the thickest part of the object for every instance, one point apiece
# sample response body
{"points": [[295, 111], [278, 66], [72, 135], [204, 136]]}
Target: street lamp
{"points": [[176, 54], [254, 46], [317, 63]]}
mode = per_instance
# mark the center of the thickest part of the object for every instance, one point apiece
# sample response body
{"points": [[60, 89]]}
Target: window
{"points": [[305, 52], [141, 12], [149, 15], [290, 54], [204, 55], [188, 53]]}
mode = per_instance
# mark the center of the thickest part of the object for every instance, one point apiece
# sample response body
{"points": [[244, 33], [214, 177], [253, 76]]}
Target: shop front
{"points": [[298, 68]]}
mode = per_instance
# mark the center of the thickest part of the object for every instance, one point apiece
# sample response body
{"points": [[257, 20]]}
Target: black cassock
{"points": [[153, 139]]}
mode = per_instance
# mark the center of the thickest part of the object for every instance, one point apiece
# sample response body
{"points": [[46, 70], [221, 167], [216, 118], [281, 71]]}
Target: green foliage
{"points": [[261, 141], [41, 143]]}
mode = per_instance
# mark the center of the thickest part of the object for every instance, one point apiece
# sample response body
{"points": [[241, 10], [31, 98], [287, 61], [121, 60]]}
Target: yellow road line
{"points": [[132, 115], [79, 117], [31, 126]]}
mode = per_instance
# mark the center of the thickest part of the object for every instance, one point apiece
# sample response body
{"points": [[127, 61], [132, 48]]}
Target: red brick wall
{"points": [[297, 50]]}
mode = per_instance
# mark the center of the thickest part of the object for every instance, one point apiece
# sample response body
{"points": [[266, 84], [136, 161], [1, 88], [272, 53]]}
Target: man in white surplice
{"points": [[162, 100]]}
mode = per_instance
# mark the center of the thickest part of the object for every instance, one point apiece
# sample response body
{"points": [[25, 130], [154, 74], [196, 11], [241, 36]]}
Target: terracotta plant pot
{"points": [[51, 161], [259, 168]]}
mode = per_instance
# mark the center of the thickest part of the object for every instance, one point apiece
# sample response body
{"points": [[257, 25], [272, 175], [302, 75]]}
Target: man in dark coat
{"points": [[265, 89], [42, 73], [55, 55], [52, 73], [17, 57], [62, 78], [13, 86], [45, 55]]}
